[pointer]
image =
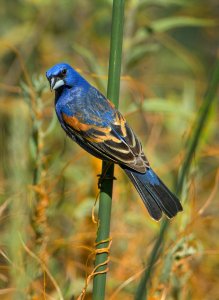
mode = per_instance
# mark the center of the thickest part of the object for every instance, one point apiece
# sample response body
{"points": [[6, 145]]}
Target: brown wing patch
{"points": [[121, 122], [97, 138], [90, 132], [78, 126], [126, 150]]}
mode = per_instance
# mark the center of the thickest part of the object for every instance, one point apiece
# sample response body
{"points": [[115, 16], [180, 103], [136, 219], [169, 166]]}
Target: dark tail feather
{"points": [[155, 195]]}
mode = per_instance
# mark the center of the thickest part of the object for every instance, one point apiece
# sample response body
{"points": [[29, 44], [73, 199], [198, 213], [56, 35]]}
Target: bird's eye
{"points": [[63, 72]]}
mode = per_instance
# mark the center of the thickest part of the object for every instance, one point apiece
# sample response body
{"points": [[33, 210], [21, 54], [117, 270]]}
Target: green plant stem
{"points": [[141, 293], [105, 201], [200, 124]]}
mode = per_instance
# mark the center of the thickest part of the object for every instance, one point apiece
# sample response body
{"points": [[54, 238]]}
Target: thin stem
{"points": [[141, 292], [105, 202], [200, 124]]}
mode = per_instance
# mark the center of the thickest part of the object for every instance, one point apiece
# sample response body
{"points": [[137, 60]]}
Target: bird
{"points": [[94, 123]]}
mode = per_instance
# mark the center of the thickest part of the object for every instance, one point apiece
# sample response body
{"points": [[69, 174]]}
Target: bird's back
{"points": [[88, 105]]}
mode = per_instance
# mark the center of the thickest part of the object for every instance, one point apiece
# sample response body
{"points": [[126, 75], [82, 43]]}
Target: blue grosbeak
{"points": [[97, 126]]}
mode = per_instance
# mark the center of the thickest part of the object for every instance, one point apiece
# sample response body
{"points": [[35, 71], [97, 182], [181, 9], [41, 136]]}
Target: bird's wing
{"points": [[112, 140]]}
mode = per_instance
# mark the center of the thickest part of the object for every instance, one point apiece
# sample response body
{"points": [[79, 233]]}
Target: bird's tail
{"points": [[155, 195]]}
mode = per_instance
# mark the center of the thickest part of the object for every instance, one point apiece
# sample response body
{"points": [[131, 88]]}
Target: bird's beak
{"points": [[56, 82]]}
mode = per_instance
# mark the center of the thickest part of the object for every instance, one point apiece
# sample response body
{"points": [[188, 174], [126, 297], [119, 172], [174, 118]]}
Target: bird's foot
{"points": [[103, 177]]}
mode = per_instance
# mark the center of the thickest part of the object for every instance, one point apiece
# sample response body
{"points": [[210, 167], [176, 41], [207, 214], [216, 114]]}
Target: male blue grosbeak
{"points": [[97, 126]]}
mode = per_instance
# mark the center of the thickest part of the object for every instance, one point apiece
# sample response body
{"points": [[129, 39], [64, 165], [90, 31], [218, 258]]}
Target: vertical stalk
{"points": [[18, 178], [192, 144], [141, 293], [105, 201], [200, 124]]}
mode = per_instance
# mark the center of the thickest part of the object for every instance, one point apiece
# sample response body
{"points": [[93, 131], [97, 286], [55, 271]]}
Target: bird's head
{"points": [[61, 75]]}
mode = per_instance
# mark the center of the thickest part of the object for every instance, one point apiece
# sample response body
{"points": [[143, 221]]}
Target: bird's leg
{"points": [[103, 176]]}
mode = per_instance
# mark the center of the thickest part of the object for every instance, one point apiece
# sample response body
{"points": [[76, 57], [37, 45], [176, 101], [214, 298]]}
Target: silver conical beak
{"points": [[56, 82]]}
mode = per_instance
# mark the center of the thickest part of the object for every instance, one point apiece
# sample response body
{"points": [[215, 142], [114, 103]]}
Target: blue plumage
{"points": [[96, 125]]}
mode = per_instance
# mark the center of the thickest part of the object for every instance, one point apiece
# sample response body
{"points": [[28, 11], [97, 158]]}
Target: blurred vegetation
{"points": [[48, 185]]}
